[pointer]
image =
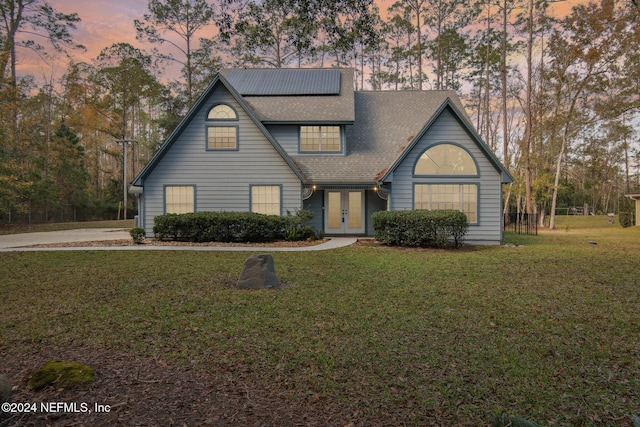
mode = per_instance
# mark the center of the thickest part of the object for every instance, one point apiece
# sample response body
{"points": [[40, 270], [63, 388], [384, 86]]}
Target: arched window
{"points": [[445, 159], [222, 112]]}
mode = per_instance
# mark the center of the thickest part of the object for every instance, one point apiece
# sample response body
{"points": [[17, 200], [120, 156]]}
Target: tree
{"points": [[36, 19], [529, 23], [417, 8], [348, 28], [451, 49], [273, 33], [183, 18], [123, 72], [68, 170], [447, 18], [398, 30], [583, 54]]}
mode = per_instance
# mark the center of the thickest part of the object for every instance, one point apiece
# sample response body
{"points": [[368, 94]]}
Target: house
{"points": [[277, 140], [636, 196]]}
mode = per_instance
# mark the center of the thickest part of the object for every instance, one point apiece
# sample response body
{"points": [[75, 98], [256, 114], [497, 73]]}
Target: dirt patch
{"points": [[134, 390]]}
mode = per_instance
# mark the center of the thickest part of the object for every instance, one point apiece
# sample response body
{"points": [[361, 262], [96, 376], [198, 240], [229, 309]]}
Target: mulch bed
{"points": [[152, 242]]}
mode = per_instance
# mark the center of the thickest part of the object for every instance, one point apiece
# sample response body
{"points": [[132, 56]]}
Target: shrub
{"points": [[299, 228], [626, 219], [137, 234], [230, 227], [420, 227]]}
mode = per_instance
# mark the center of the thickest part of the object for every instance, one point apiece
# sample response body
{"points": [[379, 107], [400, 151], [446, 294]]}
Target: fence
{"points": [[521, 223]]}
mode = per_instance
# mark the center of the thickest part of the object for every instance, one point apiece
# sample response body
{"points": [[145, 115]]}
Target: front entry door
{"points": [[344, 213]]}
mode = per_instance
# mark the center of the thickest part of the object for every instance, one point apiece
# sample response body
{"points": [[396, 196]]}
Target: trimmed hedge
{"points": [[232, 227], [421, 228]]}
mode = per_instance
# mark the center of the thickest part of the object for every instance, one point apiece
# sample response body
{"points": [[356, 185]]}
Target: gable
{"points": [[191, 159], [194, 121], [458, 129]]}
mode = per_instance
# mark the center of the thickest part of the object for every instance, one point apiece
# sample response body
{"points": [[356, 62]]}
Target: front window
{"points": [[222, 138], [265, 199], [461, 197], [320, 138], [446, 159], [179, 199]]}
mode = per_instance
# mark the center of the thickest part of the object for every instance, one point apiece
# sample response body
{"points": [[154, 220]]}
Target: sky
{"points": [[105, 22]]}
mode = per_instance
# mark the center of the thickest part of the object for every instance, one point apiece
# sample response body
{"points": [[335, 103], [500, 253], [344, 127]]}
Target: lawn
{"points": [[547, 329]]}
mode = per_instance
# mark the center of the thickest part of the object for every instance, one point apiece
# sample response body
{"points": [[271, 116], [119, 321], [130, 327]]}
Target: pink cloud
{"points": [[105, 22]]}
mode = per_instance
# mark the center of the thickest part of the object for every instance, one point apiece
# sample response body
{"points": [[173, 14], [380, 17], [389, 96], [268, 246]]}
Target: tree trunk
{"points": [[526, 142]]}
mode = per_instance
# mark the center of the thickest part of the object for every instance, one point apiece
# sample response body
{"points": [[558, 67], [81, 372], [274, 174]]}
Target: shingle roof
{"points": [[299, 108], [379, 128], [386, 122]]}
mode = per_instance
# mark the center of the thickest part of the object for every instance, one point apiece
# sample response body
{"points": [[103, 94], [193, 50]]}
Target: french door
{"points": [[344, 212]]}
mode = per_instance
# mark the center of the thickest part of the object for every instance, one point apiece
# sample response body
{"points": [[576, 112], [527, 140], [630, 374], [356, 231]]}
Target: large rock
{"points": [[259, 272], [5, 389]]}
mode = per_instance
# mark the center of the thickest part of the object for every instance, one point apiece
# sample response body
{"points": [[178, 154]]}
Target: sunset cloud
{"points": [[111, 21]]}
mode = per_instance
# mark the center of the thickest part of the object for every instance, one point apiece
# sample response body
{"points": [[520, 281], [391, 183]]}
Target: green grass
{"points": [[58, 226], [547, 330]]}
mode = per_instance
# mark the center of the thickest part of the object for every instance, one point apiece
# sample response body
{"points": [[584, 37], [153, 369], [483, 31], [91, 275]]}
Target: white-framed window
{"points": [[266, 199], [320, 138], [222, 138], [222, 112], [446, 159], [179, 199], [461, 197]]}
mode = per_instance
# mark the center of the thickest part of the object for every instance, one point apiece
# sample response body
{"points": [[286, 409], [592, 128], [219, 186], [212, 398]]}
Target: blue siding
{"points": [[315, 204], [373, 204], [448, 129], [288, 136], [220, 186]]}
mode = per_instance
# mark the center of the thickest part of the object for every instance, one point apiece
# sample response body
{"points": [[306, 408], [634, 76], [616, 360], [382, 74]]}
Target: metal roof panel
{"points": [[279, 82]]}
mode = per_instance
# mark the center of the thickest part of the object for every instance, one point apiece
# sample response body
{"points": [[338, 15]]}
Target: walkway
{"points": [[17, 242]]}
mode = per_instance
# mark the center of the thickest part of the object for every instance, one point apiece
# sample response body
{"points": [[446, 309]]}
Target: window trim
{"points": [[280, 201], [237, 146], [475, 162], [342, 138], [164, 194], [476, 184], [216, 119]]}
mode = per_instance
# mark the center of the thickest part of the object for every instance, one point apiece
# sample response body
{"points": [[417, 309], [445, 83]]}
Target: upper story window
{"points": [[446, 159], [222, 112], [320, 138], [221, 136]]}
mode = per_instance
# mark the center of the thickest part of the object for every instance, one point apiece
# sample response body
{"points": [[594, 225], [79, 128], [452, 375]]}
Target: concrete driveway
{"points": [[66, 236]]}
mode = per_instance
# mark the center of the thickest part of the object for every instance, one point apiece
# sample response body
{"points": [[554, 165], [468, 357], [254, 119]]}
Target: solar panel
{"points": [[285, 81]]}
